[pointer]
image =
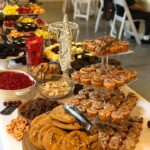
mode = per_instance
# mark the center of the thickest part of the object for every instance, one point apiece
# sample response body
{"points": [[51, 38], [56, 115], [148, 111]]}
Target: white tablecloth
{"points": [[142, 109]]}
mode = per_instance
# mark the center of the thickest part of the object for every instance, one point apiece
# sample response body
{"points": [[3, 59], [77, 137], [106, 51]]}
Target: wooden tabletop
{"points": [[142, 6]]}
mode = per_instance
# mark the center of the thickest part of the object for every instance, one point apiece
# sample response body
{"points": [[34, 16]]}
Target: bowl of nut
{"points": [[59, 86]]}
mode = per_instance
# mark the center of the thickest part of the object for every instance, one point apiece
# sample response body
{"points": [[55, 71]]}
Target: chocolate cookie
{"points": [[74, 141], [42, 132], [59, 114], [36, 125], [53, 138], [44, 117], [67, 126]]}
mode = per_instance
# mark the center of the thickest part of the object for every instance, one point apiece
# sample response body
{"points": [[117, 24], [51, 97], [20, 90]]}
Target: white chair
{"points": [[78, 8], [100, 13], [122, 19]]}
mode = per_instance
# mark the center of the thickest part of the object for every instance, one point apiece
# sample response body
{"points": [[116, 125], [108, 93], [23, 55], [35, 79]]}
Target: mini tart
{"points": [[86, 103], [75, 76], [81, 108], [96, 82], [91, 47], [124, 45], [109, 107], [75, 101], [104, 115], [97, 105], [109, 84], [86, 43], [91, 112], [85, 79], [133, 75], [119, 81], [124, 77], [94, 95], [53, 138], [85, 70], [80, 97], [117, 117], [75, 140]]}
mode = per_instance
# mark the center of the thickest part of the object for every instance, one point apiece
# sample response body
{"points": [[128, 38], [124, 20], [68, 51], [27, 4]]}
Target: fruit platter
{"points": [[38, 32], [10, 51], [30, 9], [18, 83], [25, 24]]}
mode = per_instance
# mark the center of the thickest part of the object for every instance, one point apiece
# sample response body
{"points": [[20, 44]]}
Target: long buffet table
{"points": [[142, 109]]}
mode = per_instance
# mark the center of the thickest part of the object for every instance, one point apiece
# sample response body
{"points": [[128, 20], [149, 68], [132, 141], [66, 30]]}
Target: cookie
{"points": [[94, 146], [71, 126], [93, 138], [75, 140], [33, 135], [39, 118], [36, 125], [42, 132], [59, 114], [53, 138]]}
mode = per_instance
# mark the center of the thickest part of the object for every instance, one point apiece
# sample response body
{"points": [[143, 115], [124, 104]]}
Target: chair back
{"points": [[122, 19], [123, 4], [102, 3]]}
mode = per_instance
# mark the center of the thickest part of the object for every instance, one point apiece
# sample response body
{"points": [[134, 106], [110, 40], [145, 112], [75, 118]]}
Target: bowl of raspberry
{"points": [[15, 84]]}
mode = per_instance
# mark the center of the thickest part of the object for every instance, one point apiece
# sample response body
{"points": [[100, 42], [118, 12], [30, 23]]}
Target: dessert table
{"points": [[142, 109]]}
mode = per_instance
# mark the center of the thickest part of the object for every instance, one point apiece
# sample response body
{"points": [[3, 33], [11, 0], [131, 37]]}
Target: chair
{"points": [[100, 13], [122, 19], [78, 6]]}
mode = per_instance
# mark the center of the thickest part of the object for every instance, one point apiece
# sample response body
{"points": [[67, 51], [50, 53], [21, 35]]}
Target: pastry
{"points": [[59, 114], [85, 70], [75, 140], [109, 84], [86, 103], [133, 75], [91, 112], [81, 108], [85, 79], [114, 142], [53, 138], [119, 81], [104, 114], [97, 105], [96, 82], [91, 47], [75, 76], [44, 71]]}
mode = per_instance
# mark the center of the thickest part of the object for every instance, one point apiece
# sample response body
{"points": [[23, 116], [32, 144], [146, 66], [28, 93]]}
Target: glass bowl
{"points": [[58, 87]]}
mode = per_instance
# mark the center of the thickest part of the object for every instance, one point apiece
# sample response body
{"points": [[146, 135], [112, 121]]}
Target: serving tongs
{"points": [[88, 126]]}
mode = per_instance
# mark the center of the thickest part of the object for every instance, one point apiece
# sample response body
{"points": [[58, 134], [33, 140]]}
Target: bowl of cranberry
{"points": [[15, 84]]}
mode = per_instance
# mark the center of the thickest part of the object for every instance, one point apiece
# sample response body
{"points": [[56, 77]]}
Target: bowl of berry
{"points": [[15, 84]]}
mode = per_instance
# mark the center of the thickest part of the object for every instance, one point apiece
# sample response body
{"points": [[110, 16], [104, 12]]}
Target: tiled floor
{"points": [[139, 60]]}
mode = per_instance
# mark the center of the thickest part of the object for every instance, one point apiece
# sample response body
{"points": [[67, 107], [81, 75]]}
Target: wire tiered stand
{"points": [[66, 32]]}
